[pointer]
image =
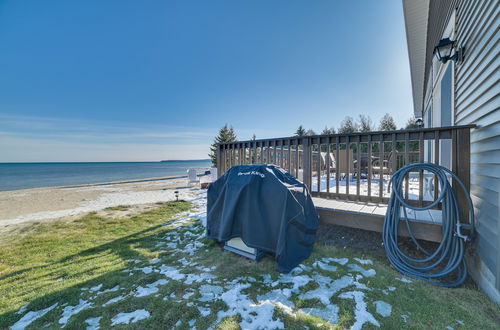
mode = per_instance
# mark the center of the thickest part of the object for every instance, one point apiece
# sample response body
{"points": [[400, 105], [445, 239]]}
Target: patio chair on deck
{"points": [[193, 177], [382, 167]]}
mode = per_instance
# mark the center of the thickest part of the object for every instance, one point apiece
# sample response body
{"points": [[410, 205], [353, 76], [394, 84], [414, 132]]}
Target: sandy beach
{"points": [[69, 202]]}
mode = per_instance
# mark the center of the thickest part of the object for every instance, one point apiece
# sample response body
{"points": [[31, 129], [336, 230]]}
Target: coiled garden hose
{"points": [[439, 266]]}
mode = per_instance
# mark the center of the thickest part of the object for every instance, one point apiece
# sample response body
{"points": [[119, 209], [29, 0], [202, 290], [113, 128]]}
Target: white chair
{"points": [[213, 174], [192, 177]]}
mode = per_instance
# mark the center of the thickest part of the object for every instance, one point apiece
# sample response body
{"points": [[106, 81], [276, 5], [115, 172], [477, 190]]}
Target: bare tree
{"points": [[310, 132], [365, 124], [348, 125], [328, 131], [387, 123]]}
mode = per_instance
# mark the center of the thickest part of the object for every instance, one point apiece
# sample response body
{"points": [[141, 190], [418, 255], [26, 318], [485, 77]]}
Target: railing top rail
{"points": [[413, 130]]}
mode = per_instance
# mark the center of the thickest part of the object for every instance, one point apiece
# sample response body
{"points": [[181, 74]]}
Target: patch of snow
{"points": [[340, 261], [327, 288], [113, 289], [254, 316], [460, 322], [188, 295], [383, 308], [210, 292], [330, 313], [191, 278], [69, 311], [364, 261], [449, 327], [171, 272], [112, 301], [178, 324], [132, 317], [324, 266], [150, 288], [192, 322], [361, 314], [31, 317], [155, 261], [364, 272], [204, 311], [93, 323], [146, 270], [404, 279], [96, 288], [405, 317], [22, 309]]}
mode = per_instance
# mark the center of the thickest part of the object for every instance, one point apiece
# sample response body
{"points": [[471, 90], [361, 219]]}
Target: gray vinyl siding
{"points": [[477, 102]]}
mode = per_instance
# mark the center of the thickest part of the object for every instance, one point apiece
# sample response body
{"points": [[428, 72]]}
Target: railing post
{"points": [[461, 167], [306, 145]]}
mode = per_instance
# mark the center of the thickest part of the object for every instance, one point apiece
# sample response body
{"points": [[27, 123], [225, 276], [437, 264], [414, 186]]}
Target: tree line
{"points": [[348, 125]]}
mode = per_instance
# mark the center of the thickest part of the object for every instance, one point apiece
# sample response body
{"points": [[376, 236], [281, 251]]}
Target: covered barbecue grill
{"points": [[269, 209]]}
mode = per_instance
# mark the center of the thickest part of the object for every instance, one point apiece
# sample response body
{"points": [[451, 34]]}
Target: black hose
{"points": [[439, 266]]}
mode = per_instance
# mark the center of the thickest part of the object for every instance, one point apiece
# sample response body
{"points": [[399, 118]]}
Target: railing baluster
{"points": [[319, 165], [407, 161], [381, 168], [421, 172], [394, 157], [297, 159], [436, 161], [348, 165], [328, 165], [289, 156], [337, 164], [369, 166], [358, 172]]}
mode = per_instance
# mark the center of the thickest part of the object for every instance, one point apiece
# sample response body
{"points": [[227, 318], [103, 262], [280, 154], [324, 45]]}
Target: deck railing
{"points": [[358, 166]]}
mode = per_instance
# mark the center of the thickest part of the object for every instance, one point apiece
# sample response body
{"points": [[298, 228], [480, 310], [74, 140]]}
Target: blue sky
{"points": [[149, 80]]}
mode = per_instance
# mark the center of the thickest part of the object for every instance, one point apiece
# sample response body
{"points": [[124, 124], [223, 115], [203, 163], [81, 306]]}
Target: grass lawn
{"points": [[147, 271]]}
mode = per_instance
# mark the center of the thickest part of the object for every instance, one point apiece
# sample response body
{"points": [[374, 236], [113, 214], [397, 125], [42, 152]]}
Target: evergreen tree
{"points": [[301, 131], [411, 123], [226, 134], [387, 123], [348, 126], [365, 124]]}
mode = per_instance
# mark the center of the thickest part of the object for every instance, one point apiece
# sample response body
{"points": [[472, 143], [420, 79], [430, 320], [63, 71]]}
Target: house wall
{"points": [[476, 101]]}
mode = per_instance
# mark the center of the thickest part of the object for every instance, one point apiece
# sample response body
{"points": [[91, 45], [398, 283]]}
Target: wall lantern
{"points": [[444, 50], [420, 122]]}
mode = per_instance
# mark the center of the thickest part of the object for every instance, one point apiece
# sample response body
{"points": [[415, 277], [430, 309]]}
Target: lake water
{"points": [[15, 176]]}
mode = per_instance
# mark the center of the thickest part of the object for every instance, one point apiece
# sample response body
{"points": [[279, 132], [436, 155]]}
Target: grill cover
{"points": [[268, 208]]}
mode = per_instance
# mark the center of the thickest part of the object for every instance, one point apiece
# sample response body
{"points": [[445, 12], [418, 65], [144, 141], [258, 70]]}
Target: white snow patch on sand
{"points": [[31, 317], [132, 317], [69, 311]]}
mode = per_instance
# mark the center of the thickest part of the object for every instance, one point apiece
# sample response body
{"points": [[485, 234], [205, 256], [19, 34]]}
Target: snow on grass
{"points": [[364, 261], [150, 288], [132, 317], [361, 314], [364, 272], [383, 308], [69, 311], [113, 300], [30, 317], [93, 323], [404, 279]]}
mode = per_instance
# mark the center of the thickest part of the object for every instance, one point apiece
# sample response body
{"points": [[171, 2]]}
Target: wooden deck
{"points": [[426, 225]]}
